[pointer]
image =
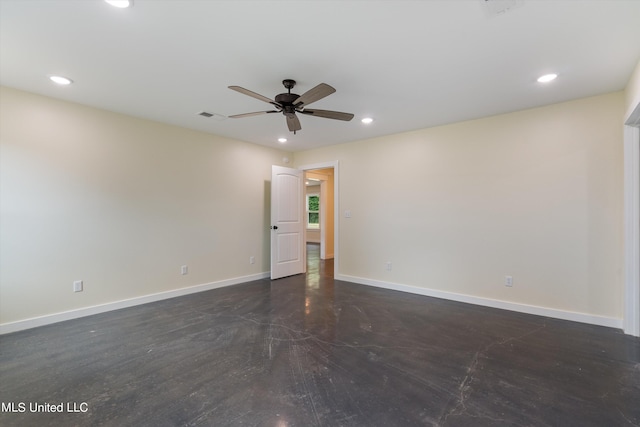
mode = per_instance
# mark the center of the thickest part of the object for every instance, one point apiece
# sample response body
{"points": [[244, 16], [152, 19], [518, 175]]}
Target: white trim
{"points": [[610, 322], [33, 322], [632, 225], [323, 219], [322, 228], [336, 206]]}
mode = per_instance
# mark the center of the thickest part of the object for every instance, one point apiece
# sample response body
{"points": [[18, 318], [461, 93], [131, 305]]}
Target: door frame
{"points": [[631, 317], [336, 207]]}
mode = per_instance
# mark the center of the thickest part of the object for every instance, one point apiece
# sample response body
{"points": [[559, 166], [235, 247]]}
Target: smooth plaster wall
{"points": [[535, 194], [121, 203]]}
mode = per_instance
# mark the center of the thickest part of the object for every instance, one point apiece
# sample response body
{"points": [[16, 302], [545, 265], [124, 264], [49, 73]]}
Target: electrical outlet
{"points": [[184, 270], [388, 265], [252, 260], [77, 286], [508, 281]]}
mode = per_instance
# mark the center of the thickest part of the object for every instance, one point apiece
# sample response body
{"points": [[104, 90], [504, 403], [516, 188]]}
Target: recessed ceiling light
{"points": [[282, 140], [547, 78], [60, 80], [120, 3], [367, 120]]}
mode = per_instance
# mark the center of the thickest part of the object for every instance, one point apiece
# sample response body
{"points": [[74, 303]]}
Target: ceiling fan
{"points": [[290, 103]]}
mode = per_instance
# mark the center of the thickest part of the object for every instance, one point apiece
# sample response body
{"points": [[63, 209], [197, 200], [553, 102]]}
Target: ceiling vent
{"points": [[208, 115], [500, 7]]}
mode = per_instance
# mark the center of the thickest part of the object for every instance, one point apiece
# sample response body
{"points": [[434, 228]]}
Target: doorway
{"points": [[319, 210], [323, 179]]}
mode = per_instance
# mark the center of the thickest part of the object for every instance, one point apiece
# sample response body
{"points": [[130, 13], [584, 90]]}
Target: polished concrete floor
{"points": [[311, 351]]}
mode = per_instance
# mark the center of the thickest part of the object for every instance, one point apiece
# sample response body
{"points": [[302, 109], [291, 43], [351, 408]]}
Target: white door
{"points": [[287, 222]]}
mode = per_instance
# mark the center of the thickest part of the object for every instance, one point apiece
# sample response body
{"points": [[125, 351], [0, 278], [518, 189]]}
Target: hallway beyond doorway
{"points": [[317, 266]]}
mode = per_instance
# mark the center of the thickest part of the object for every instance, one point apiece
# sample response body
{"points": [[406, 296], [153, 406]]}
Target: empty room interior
{"points": [[320, 213]]}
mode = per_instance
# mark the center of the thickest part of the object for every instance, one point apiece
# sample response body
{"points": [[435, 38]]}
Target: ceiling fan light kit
{"points": [[290, 103]]}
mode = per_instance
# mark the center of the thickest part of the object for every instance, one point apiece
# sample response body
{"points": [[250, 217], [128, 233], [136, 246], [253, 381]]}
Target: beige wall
{"points": [[120, 203], [535, 194]]}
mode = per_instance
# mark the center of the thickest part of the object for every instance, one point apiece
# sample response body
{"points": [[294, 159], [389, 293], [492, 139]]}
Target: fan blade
{"points": [[254, 95], [293, 122], [257, 113], [315, 94], [336, 115]]}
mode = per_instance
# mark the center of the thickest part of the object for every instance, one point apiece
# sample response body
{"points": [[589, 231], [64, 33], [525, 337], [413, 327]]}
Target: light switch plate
{"points": [[77, 286]]}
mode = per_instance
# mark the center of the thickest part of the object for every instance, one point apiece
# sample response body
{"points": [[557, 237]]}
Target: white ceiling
{"points": [[407, 64]]}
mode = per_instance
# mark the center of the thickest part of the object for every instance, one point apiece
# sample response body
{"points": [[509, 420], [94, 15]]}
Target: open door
{"points": [[287, 222]]}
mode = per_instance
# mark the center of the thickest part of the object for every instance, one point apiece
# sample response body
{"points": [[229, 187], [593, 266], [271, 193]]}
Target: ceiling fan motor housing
{"points": [[286, 99]]}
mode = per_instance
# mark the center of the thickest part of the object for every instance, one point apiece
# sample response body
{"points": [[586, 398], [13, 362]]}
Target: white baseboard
{"points": [[610, 322], [6, 328], [20, 325]]}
